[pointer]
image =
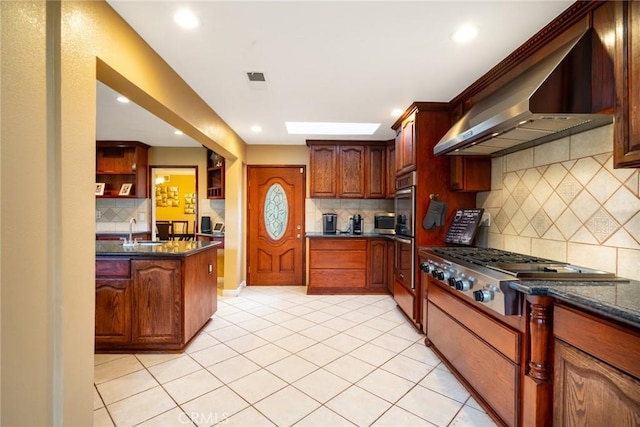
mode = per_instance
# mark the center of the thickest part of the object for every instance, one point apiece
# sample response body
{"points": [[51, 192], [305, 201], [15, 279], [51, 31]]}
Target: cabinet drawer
{"points": [[504, 340], [338, 259], [604, 340], [111, 267], [338, 278], [338, 245], [494, 377]]}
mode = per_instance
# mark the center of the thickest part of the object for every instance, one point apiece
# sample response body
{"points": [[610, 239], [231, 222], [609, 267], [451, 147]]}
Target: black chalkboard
{"points": [[463, 228]]}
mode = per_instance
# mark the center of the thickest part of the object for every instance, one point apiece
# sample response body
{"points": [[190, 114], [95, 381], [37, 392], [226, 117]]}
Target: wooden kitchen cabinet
{"points": [[347, 169], [153, 303], [378, 267], [391, 169], [323, 164], [470, 173], [375, 172], [351, 167], [349, 265], [156, 294], [122, 162], [406, 145], [113, 302], [215, 175], [596, 373], [626, 149]]}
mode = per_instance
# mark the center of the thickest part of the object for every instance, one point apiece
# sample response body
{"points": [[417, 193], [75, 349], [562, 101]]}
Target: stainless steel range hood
{"points": [[550, 100]]}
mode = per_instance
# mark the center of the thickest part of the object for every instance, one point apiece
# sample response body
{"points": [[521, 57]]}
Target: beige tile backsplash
{"points": [[564, 200]]}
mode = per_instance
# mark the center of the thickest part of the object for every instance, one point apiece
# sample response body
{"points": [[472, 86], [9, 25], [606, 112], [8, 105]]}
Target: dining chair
{"points": [[181, 229], [164, 230]]}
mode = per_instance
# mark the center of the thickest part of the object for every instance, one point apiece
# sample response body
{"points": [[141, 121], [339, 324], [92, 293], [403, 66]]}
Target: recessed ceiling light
{"points": [[330, 128], [256, 129], [186, 19], [396, 112], [465, 33], [123, 99], [178, 132]]}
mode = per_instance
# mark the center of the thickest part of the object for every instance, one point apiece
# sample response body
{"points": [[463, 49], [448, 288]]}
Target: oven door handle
{"points": [[403, 240], [403, 191]]}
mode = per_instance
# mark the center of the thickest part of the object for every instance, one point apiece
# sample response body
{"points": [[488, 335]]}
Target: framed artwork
{"points": [[100, 188], [125, 189]]}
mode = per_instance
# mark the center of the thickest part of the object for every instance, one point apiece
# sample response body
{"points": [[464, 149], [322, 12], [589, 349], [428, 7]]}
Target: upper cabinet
{"points": [[406, 145], [215, 175], [470, 173], [626, 149], [122, 167], [348, 169]]}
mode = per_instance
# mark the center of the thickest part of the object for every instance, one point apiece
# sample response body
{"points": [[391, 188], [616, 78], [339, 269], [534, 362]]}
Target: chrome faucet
{"points": [[130, 242]]}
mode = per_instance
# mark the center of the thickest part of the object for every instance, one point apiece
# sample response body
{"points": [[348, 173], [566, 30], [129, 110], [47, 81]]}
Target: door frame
{"points": [[152, 194], [304, 218]]}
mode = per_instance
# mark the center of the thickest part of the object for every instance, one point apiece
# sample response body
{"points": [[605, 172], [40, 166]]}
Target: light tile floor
{"points": [[276, 356]]}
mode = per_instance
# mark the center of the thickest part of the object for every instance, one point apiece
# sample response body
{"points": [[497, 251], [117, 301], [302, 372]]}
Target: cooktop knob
{"points": [[426, 267], [463, 285], [483, 295]]}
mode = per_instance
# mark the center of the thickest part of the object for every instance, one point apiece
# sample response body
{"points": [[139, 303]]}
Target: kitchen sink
{"points": [[151, 243]]}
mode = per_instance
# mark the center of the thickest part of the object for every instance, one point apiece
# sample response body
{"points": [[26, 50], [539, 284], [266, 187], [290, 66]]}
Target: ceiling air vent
{"points": [[256, 77]]}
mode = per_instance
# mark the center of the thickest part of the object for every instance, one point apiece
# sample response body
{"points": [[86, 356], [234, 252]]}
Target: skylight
{"points": [[330, 128]]}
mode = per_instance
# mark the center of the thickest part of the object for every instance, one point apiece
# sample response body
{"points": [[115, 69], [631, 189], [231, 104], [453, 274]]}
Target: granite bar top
{"points": [[172, 248], [618, 300], [316, 234]]}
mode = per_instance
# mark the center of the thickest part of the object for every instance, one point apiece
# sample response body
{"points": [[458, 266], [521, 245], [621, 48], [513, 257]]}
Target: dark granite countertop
{"points": [[316, 234], [172, 248], [618, 300]]}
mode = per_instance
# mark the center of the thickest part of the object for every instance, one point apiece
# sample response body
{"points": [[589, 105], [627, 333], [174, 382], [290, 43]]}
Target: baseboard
{"points": [[234, 292]]}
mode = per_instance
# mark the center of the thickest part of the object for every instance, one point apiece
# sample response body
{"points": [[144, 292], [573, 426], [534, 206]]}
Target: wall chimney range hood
{"points": [[550, 100]]}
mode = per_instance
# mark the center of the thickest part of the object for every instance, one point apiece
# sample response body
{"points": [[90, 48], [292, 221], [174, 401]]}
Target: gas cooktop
{"points": [[520, 265]]}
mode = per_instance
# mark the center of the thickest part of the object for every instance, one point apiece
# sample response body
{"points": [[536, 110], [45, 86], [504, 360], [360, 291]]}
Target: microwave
{"points": [[384, 223]]}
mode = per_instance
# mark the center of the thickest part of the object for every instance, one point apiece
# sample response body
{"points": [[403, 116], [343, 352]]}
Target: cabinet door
{"points": [[470, 173], [590, 392], [627, 70], [375, 172], [113, 312], [391, 171], [378, 266], [405, 146], [157, 311], [351, 175], [324, 170]]}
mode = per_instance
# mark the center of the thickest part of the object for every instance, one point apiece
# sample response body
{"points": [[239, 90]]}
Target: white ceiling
{"points": [[337, 61]]}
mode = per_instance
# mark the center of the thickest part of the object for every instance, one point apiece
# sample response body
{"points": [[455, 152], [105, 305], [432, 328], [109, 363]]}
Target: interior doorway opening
{"points": [[174, 202]]}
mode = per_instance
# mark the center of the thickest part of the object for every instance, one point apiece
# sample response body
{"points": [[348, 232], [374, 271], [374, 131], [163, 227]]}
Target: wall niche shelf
{"points": [[215, 175]]}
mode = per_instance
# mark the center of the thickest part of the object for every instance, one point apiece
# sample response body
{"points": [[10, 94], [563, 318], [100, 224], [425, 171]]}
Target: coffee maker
{"points": [[329, 223], [356, 224]]}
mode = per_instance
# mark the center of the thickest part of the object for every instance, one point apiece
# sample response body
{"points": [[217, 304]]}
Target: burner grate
{"points": [[487, 256]]}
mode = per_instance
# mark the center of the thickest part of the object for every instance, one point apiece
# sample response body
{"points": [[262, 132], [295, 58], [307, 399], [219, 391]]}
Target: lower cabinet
{"points": [[153, 304], [156, 287], [596, 373], [348, 265]]}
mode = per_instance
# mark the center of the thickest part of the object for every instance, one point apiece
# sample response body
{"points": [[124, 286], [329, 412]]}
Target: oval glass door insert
{"points": [[276, 211]]}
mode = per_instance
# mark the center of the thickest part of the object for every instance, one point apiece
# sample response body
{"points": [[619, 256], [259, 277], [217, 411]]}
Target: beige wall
{"points": [[564, 200], [52, 53], [280, 155]]}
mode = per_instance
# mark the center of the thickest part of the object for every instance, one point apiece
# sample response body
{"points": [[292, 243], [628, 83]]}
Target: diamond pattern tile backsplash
{"points": [[564, 200]]}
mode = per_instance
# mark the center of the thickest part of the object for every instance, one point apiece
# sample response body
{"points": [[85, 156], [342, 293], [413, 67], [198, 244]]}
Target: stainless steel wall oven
{"points": [[405, 250]]}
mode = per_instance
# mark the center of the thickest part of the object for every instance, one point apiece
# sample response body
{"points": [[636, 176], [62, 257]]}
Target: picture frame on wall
{"points": [[125, 190], [100, 188]]}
